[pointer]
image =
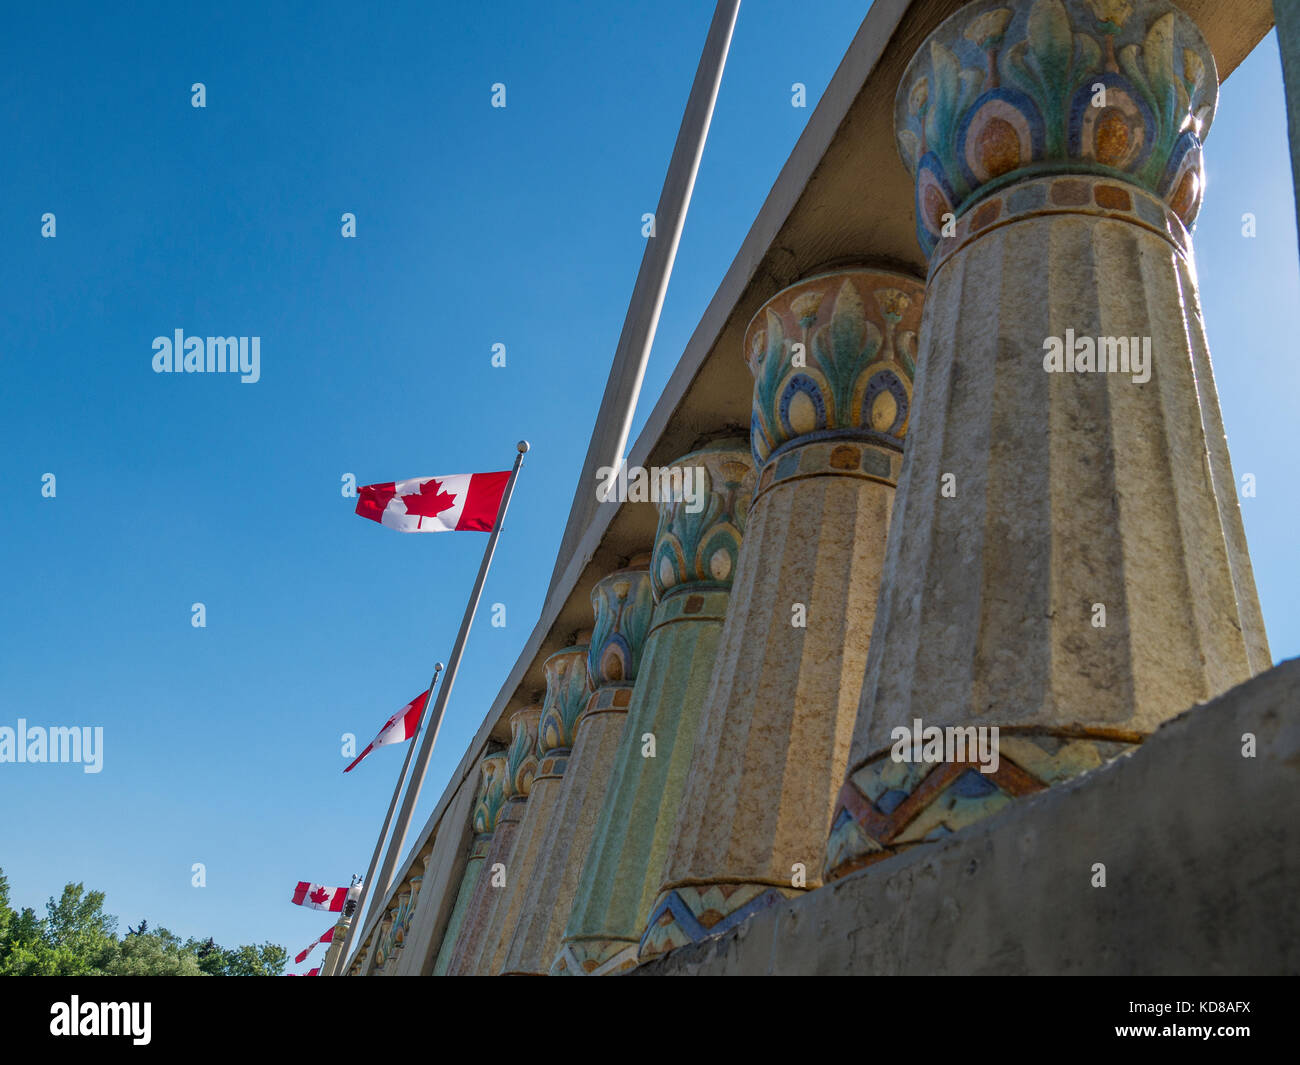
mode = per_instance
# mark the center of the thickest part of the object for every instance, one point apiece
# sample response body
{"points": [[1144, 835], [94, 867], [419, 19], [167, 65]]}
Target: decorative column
{"points": [[692, 565], [397, 930], [1068, 563], [567, 690], [487, 808], [521, 766], [832, 358], [384, 942], [623, 603], [406, 910]]}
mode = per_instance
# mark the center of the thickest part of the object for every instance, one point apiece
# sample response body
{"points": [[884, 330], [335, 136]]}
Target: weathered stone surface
{"points": [[623, 602], [1071, 490], [567, 691], [464, 895], [1067, 561], [520, 765], [1204, 882], [483, 821], [832, 358], [694, 562]]}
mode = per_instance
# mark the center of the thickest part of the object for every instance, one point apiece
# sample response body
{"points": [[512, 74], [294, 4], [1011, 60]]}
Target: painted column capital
{"points": [[521, 755], [491, 795], [383, 945], [401, 919], [1009, 90], [696, 545], [567, 690], [833, 357], [623, 603], [416, 885]]}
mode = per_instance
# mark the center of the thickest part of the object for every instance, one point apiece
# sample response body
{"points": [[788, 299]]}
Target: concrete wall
{"points": [[1202, 853]]}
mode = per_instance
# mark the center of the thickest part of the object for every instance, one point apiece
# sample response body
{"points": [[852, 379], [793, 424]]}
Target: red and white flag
{"points": [[401, 726], [328, 937], [460, 502], [319, 897], [313, 972]]}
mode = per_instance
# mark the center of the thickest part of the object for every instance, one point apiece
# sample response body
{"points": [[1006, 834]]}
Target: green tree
{"points": [[269, 959], [154, 953], [6, 914], [23, 947], [76, 938], [81, 936]]}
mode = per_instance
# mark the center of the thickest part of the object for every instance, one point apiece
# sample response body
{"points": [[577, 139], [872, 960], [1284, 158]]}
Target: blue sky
{"points": [[475, 226]]}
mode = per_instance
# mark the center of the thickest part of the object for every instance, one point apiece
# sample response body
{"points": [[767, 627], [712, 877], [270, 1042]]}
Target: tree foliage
{"points": [[76, 938]]}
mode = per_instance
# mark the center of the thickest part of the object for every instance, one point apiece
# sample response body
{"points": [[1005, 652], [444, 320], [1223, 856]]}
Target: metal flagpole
{"points": [[383, 832], [618, 405], [398, 841]]}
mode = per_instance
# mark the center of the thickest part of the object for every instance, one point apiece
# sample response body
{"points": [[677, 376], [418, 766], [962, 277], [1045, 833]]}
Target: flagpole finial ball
{"points": [[523, 447], [438, 668]]}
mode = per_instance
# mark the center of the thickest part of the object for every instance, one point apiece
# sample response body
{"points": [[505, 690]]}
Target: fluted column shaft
{"points": [[623, 603], [832, 358], [487, 810], [518, 773], [693, 563], [567, 691], [468, 883], [1073, 570]]}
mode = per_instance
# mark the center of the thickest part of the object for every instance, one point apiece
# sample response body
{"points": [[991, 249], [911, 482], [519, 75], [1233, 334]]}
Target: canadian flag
{"points": [[401, 726], [328, 937], [319, 897], [460, 502]]}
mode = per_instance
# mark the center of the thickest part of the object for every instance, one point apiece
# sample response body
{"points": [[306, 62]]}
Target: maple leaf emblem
{"points": [[319, 896], [430, 501]]}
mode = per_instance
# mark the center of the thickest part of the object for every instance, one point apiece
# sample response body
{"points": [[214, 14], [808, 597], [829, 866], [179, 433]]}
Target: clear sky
{"points": [[475, 226]]}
